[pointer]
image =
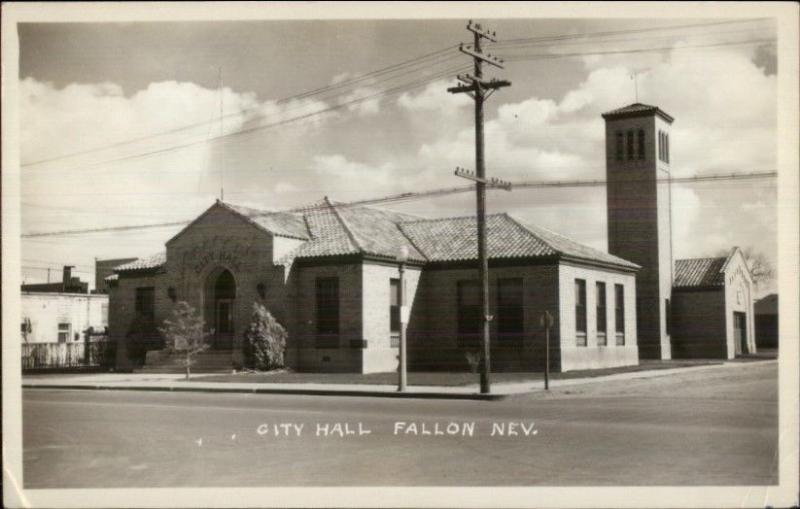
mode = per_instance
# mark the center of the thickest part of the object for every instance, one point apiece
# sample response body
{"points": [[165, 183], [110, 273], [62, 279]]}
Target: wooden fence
{"points": [[88, 354]]}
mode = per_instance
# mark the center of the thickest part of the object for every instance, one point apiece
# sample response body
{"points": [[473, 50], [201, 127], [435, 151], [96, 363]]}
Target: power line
{"points": [[416, 196], [304, 95], [390, 91], [388, 70]]}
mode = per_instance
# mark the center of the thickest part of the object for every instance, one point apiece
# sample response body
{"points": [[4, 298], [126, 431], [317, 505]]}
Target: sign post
{"points": [[546, 322]]}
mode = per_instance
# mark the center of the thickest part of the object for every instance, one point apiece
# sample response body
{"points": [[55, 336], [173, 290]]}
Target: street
{"points": [[701, 427]]}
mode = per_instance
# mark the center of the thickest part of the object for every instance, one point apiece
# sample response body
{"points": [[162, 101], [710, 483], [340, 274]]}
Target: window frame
{"points": [[620, 146], [641, 144], [601, 320], [619, 314], [580, 312], [66, 332], [468, 316], [394, 311], [327, 311], [630, 144], [145, 303], [510, 315]]}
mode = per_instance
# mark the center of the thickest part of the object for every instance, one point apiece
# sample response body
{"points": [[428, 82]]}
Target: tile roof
{"points": [[454, 239], [334, 229], [283, 224], [636, 109], [700, 272], [147, 263]]}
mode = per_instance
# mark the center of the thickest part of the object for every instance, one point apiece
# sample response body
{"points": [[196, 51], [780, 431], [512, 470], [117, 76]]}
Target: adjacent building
{"points": [[61, 312], [713, 308], [766, 311]]}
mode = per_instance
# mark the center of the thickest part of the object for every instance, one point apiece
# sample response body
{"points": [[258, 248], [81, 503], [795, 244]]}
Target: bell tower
{"points": [[639, 215]]}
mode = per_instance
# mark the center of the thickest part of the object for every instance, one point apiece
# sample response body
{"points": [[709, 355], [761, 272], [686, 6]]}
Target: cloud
{"points": [[434, 98], [360, 103], [338, 167]]}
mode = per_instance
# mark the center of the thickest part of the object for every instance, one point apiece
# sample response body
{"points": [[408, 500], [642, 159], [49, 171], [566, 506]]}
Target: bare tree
{"points": [[184, 334], [761, 269]]}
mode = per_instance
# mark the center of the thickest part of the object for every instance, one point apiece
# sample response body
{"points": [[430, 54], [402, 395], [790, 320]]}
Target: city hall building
{"points": [[330, 274]]}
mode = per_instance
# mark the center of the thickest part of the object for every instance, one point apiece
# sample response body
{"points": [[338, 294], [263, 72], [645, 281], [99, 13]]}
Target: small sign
{"points": [[546, 320], [405, 312]]}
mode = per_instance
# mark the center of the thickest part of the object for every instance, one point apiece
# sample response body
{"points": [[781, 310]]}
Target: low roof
{"points": [[637, 110], [332, 229], [767, 305], [702, 272]]}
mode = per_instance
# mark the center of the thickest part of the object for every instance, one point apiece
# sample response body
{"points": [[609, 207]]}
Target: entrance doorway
{"points": [[740, 333], [222, 301]]}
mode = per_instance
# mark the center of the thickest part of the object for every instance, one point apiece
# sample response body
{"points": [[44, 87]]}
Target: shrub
{"points": [[265, 340]]}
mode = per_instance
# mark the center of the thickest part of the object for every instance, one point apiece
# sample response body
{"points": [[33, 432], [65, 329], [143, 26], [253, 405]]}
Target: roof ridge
{"points": [[450, 218], [701, 258], [347, 229], [411, 241]]}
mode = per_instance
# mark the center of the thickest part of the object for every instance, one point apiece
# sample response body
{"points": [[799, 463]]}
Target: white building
{"points": [[49, 317]]}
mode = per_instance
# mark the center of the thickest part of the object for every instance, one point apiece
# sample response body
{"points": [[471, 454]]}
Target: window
{"points": [[641, 144], [619, 313], [660, 145], [469, 313], [394, 309], [600, 301], [146, 303], [63, 332], [328, 306], [630, 144], [104, 314], [666, 148], [510, 309], [667, 320], [620, 146], [580, 312]]}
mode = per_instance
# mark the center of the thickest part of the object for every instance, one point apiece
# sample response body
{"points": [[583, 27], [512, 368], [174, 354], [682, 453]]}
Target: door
{"points": [[224, 324], [740, 332]]}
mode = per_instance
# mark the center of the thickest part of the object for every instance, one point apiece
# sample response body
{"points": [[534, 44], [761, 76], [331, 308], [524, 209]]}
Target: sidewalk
{"points": [[176, 383]]}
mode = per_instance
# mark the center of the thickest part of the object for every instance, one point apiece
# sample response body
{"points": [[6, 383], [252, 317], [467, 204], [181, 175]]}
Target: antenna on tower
{"points": [[221, 149]]}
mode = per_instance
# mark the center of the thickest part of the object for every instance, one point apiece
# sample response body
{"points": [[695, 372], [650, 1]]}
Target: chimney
{"points": [[67, 277]]}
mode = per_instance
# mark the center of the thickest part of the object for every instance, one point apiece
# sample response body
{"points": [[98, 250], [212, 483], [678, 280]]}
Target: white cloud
{"points": [[338, 167], [434, 97], [360, 103]]}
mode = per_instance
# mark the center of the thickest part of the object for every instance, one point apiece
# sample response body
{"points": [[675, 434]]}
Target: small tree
{"points": [[184, 334], [265, 340]]}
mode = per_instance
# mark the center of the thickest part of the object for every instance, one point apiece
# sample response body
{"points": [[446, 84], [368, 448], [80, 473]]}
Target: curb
{"points": [[267, 390]]}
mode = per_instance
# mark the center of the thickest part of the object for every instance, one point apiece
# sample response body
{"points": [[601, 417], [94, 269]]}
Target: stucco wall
{"points": [[592, 355], [738, 297], [379, 354], [47, 310]]}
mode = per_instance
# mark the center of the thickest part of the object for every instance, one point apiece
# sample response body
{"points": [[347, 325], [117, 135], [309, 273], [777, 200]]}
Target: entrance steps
{"points": [[210, 361]]}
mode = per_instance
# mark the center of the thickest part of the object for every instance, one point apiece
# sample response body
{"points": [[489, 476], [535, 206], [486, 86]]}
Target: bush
{"points": [[265, 340]]}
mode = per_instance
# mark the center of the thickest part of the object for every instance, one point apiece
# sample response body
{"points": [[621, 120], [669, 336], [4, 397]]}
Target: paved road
{"points": [[710, 427]]}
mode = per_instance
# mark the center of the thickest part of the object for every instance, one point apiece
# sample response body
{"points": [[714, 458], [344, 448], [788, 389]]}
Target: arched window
{"points": [[630, 145], [620, 150], [641, 144]]}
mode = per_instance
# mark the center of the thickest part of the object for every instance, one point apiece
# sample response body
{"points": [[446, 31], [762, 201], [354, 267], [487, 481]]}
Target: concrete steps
{"points": [[211, 361]]}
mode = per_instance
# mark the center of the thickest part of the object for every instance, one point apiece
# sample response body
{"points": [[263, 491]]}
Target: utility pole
{"points": [[480, 90]]}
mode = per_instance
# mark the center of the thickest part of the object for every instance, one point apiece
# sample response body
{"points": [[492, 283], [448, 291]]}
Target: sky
{"points": [[133, 123]]}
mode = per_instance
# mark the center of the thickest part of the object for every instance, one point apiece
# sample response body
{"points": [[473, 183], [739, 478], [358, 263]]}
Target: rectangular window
{"points": [[64, 332], [667, 317], [469, 313], [394, 306], [641, 144], [666, 148], [630, 145], [620, 149], [328, 306], [510, 309], [601, 313], [580, 312], [619, 313], [145, 306]]}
